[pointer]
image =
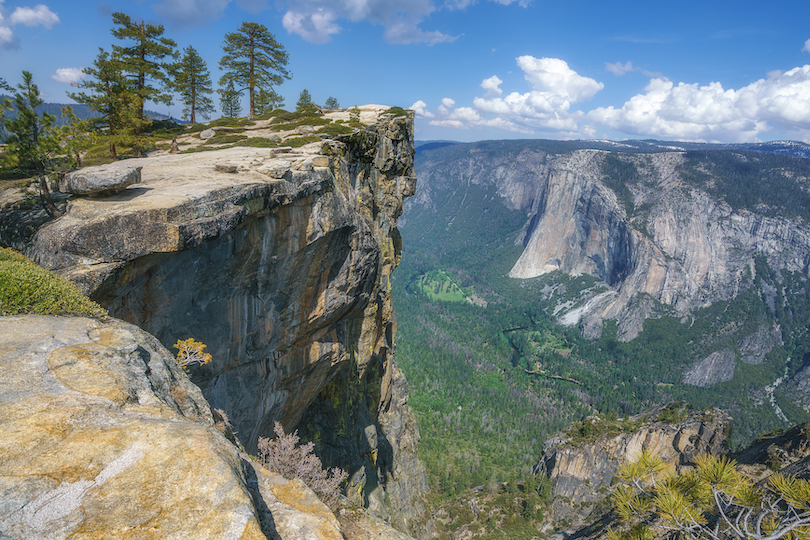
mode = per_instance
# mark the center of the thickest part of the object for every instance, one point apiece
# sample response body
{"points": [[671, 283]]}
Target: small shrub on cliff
{"points": [[397, 111], [27, 288], [284, 456], [190, 352]]}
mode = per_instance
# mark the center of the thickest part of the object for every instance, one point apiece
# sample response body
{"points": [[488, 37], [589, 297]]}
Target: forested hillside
{"points": [[493, 372]]}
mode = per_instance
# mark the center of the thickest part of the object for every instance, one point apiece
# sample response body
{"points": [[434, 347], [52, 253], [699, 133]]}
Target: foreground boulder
{"points": [[103, 436], [100, 181]]}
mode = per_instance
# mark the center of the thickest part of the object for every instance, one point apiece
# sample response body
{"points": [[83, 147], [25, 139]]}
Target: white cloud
{"points": [[712, 113], [555, 87], [806, 47], [620, 69], [39, 15], [420, 108], [313, 27], [492, 86], [69, 76], [401, 19], [546, 107], [553, 76], [190, 13], [8, 41]]}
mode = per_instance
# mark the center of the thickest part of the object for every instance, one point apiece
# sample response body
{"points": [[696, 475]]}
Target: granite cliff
{"points": [[279, 260], [636, 221]]}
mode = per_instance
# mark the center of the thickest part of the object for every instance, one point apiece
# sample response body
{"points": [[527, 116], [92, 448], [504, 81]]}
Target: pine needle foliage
{"points": [[713, 501], [284, 456]]}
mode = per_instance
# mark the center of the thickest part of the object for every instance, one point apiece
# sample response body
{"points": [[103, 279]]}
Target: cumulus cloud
{"points": [[555, 87], [806, 47], [546, 107], [190, 13], [778, 103], [421, 110], [315, 27], [552, 76], [69, 76], [39, 15], [712, 113], [316, 20], [492, 86]]}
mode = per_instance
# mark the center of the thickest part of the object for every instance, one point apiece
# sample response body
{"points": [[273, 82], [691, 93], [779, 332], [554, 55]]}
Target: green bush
{"points": [[397, 111], [27, 288]]}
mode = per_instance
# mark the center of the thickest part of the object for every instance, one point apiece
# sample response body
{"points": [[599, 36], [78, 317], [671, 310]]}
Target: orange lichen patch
{"points": [[297, 495], [90, 368]]}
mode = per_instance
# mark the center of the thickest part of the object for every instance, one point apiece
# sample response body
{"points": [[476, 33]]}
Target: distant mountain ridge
{"points": [[82, 111]]}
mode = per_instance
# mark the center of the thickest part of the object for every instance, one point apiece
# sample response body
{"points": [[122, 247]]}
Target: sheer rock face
{"points": [[689, 252], [102, 435], [680, 246], [285, 280], [581, 474]]}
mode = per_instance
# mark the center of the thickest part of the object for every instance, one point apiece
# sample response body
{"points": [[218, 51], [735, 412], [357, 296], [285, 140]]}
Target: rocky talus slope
{"points": [[278, 259]]}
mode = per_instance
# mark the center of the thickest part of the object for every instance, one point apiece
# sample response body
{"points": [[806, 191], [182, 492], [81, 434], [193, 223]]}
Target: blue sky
{"points": [[482, 69]]}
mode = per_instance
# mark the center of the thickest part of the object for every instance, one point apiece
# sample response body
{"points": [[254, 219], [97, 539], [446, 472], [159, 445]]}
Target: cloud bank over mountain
{"points": [[666, 109]]}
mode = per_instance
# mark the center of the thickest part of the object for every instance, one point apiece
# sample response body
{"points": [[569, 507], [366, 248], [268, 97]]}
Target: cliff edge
{"points": [[278, 259]]}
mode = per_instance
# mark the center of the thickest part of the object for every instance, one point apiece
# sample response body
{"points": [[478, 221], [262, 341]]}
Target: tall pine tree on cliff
{"points": [[192, 80], [143, 61], [253, 59]]}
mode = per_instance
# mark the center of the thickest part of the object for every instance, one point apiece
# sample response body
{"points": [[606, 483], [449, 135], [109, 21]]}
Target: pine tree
{"points": [[268, 101], [107, 95], [77, 135], [193, 81], [229, 102], [331, 103], [253, 59], [304, 102], [143, 61], [33, 142]]}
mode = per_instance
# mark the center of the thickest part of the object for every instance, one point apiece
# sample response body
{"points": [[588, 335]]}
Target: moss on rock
{"points": [[27, 288]]}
